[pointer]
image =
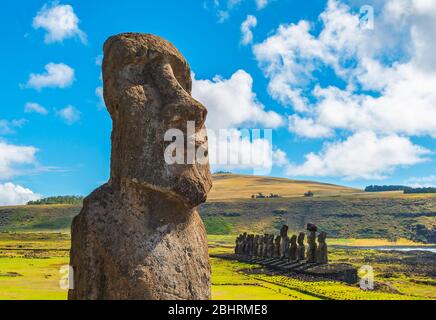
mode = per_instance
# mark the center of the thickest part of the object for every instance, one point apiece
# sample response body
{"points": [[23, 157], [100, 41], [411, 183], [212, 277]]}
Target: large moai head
{"points": [[147, 90]]}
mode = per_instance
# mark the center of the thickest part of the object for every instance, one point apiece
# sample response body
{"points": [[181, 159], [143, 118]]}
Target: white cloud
{"points": [[232, 102], [260, 4], [234, 149], [13, 158], [57, 75], [308, 128], [421, 182], [99, 60], [9, 126], [31, 107], [395, 62], [363, 155], [69, 114], [59, 21], [11, 194], [99, 94], [246, 26]]}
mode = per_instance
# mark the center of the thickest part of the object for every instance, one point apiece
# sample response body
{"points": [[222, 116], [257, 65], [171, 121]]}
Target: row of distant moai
{"points": [[284, 247]]}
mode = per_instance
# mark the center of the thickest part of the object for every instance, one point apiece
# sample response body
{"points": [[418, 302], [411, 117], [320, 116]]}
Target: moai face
{"points": [[147, 90]]}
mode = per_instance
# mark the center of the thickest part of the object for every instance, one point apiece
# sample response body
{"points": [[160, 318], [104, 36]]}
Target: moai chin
{"points": [[322, 253], [140, 235], [301, 250]]}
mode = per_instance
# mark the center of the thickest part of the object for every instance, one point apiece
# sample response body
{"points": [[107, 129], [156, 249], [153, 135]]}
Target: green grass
{"points": [[341, 212]]}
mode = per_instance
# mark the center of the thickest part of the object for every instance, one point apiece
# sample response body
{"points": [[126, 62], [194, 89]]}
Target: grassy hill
{"points": [[342, 212], [232, 186]]}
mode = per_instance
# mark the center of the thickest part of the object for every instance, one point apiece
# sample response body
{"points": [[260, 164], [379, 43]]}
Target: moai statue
{"points": [[284, 241], [238, 244], [293, 248], [270, 246], [301, 250], [311, 241], [277, 243], [256, 245], [250, 245], [265, 246], [321, 252], [244, 243], [260, 249], [140, 236]]}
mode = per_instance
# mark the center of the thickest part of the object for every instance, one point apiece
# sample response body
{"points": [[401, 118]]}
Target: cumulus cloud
{"points": [[57, 75], [32, 107], [99, 94], [12, 194], [234, 149], [232, 103], [69, 114], [390, 74], [247, 35], [59, 21], [9, 126], [373, 87], [14, 158], [363, 155], [260, 4], [421, 182]]}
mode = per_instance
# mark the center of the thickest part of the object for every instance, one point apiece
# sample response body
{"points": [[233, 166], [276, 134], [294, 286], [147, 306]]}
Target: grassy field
{"points": [[30, 265], [230, 187], [341, 212]]}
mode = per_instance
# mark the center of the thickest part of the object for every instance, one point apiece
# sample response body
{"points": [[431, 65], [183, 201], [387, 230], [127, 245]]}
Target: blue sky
{"points": [[349, 103]]}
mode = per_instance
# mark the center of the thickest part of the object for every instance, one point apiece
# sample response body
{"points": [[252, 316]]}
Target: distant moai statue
{"points": [[249, 245], [244, 243], [238, 244], [293, 248], [256, 245], [301, 250], [311, 241], [263, 246], [284, 241], [321, 252], [270, 246], [277, 243]]}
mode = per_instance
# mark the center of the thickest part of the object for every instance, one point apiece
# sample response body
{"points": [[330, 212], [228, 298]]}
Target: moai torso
{"points": [[293, 248], [284, 241], [277, 242], [301, 250], [322, 253], [311, 241]]}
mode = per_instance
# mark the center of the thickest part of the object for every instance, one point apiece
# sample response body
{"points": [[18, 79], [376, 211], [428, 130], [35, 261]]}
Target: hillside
{"points": [[232, 186], [342, 212]]}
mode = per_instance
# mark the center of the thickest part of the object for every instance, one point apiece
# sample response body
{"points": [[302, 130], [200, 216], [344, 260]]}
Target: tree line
{"points": [[57, 200], [405, 189]]}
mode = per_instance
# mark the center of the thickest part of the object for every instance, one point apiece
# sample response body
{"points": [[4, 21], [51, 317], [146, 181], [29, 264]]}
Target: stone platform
{"points": [[338, 271]]}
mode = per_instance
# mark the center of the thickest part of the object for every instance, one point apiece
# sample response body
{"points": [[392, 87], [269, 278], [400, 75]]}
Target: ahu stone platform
{"points": [[339, 271]]}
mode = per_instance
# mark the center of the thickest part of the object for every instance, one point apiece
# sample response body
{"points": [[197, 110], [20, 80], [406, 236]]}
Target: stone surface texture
{"points": [[140, 235]]}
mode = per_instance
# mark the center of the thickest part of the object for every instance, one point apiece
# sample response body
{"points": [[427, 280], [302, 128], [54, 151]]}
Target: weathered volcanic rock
{"points": [[140, 235]]}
